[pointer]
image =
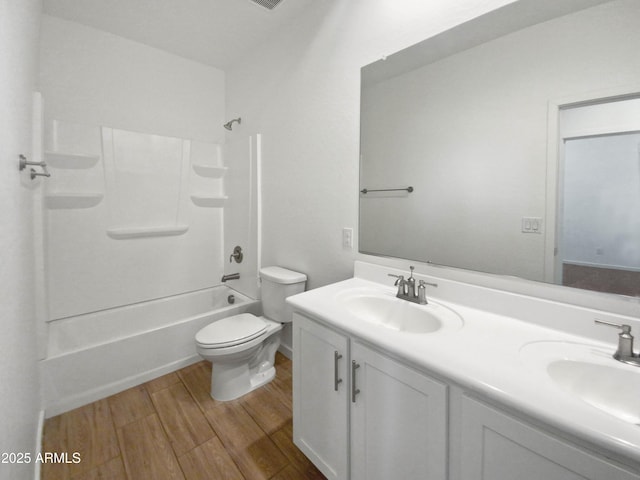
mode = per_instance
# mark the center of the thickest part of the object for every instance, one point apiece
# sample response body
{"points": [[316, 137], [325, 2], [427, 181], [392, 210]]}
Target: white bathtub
{"points": [[97, 354]]}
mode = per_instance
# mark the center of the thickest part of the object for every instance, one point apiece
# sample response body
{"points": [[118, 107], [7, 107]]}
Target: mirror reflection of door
{"points": [[598, 235]]}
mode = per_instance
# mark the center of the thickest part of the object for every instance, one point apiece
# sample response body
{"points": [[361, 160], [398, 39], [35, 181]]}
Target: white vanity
{"points": [[469, 386]]}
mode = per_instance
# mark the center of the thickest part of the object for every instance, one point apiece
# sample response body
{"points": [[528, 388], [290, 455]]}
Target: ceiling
{"points": [[213, 32]]}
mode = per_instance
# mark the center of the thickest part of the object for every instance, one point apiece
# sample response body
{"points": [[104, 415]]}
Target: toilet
{"points": [[242, 348]]}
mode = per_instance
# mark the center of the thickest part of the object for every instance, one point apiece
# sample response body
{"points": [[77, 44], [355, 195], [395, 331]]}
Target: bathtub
{"points": [[97, 354]]}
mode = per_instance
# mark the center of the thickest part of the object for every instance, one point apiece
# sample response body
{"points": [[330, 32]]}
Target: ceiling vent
{"points": [[268, 4]]}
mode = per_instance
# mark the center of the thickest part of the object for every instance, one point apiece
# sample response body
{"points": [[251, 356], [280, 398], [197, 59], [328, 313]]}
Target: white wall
{"points": [[92, 79], [19, 394], [302, 92]]}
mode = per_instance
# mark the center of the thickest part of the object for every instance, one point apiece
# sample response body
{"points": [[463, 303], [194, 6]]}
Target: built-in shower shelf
{"points": [[210, 171], [71, 160], [210, 201], [61, 201], [121, 233]]}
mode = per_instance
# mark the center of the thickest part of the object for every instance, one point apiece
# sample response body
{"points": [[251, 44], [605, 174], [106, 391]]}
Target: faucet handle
{"points": [[401, 283], [625, 340], [237, 254], [626, 329]]}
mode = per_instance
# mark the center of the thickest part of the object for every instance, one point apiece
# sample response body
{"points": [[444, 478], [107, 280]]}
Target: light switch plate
{"points": [[531, 224], [347, 238]]}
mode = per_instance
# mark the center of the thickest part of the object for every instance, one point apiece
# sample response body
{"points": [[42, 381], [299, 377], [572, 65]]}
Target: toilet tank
{"points": [[277, 284]]}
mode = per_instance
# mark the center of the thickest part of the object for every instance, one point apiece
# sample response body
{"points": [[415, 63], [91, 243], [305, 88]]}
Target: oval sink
{"points": [[388, 311], [590, 374], [613, 390]]}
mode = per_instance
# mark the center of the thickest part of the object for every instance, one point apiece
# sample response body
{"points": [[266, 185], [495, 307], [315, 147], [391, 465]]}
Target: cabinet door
{"points": [[320, 401], [398, 420], [496, 446]]}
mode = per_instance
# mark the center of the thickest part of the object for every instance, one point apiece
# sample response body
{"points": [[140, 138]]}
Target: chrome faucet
{"points": [[624, 353], [231, 276], [407, 288]]}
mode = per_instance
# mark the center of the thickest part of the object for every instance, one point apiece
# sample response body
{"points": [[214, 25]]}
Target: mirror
{"points": [[471, 120]]}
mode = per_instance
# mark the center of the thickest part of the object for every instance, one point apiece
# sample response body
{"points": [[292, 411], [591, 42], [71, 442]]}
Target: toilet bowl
{"points": [[242, 348]]}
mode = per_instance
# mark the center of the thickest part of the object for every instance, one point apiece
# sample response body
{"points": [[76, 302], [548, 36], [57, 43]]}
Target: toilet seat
{"points": [[231, 331]]}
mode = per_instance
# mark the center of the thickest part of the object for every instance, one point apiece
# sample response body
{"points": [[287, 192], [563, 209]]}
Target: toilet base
{"points": [[231, 380], [262, 378]]}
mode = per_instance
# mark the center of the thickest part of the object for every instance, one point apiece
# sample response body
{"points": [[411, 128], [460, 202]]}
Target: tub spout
{"points": [[231, 276]]}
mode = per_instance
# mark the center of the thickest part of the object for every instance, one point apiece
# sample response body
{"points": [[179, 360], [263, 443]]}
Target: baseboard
{"points": [[286, 351], [38, 446]]}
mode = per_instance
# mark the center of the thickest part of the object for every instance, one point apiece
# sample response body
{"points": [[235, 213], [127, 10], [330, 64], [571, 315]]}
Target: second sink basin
{"points": [[590, 374], [388, 311], [613, 390]]}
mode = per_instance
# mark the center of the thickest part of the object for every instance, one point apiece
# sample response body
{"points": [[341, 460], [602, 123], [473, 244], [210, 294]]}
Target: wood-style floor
{"points": [[170, 428]]}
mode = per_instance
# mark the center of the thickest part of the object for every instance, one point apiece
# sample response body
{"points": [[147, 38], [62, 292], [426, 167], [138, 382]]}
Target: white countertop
{"points": [[484, 355]]}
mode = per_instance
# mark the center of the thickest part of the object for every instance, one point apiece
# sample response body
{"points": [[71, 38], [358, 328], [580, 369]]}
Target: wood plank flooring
{"points": [[171, 428]]}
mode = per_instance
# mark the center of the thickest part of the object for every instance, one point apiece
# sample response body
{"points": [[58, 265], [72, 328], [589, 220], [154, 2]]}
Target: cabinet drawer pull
{"points": [[336, 380], [354, 391]]}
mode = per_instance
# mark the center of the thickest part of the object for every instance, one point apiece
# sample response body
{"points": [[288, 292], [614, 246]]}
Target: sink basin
{"points": [[590, 374], [384, 309], [613, 390]]}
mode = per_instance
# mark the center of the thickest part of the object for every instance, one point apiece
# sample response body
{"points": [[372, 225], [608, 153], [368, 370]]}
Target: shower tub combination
{"points": [[97, 354]]}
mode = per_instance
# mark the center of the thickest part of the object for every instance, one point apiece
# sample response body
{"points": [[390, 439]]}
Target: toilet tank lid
{"points": [[282, 275]]}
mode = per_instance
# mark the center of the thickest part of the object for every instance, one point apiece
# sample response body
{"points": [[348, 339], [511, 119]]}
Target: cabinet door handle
{"points": [[354, 391], [336, 380]]}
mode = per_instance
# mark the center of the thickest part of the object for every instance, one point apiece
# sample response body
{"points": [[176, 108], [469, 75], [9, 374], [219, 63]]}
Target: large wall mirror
{"points": [[519, 136]]}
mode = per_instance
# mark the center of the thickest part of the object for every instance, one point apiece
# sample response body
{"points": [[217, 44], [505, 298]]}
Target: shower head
{"points": [[230, 123]]}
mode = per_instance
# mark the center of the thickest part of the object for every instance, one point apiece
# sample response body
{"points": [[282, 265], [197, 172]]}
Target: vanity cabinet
{"points": [[320, 397], [463, 403], [497, 446], [398, 420], [353, 403]]}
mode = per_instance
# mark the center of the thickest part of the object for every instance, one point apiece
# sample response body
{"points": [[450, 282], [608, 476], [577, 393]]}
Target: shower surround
{"points": [[130, 217], [134, 253]]}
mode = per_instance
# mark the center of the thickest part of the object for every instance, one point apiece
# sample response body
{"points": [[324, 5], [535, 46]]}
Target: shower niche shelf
{"points": [[209, 171], [71, 160], [122, 233], [211, 201], [66, 201]]}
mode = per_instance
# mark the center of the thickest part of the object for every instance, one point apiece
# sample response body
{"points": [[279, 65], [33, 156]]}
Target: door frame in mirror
{"points": [[554, 139]]}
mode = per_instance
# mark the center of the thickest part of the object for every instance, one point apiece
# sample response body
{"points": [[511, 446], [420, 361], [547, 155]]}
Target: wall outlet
{"points": [[347, 238], [531, 225]]}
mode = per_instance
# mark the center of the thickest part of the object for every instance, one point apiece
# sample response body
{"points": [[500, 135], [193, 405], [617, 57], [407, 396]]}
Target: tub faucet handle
{"points": [[237, 254]]}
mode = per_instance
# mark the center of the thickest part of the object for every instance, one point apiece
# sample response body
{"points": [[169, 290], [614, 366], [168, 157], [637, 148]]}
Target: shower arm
{"points": [[229, 124]]}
